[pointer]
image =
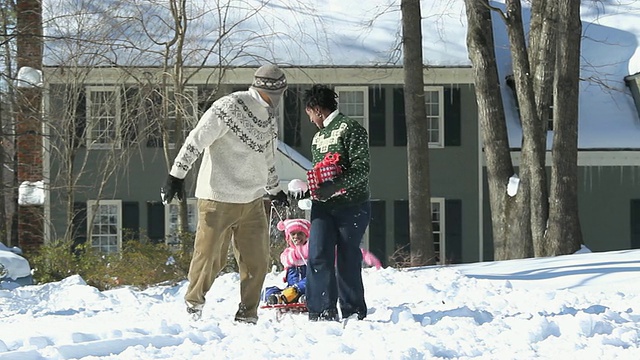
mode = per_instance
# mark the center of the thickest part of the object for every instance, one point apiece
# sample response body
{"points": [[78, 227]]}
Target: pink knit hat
{"points": [[294, 225]]}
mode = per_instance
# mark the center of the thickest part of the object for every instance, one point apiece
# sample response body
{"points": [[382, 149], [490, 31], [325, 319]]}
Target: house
{"points": [[114, 146]]}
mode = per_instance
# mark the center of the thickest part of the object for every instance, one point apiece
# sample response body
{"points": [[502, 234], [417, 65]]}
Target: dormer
{"points": [[633, 82]]}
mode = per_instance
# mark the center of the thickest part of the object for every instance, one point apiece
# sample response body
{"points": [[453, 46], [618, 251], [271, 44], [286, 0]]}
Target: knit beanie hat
{"points": [[294, 225], [270, 80]]}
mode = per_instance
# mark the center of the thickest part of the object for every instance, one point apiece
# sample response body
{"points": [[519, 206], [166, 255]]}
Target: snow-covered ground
{"points": [[581, 306]]}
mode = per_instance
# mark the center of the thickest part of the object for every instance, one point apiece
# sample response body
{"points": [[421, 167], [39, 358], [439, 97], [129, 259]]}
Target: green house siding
{"points": [[604, 194], [606, 208], [137, 183], [453, 170]]}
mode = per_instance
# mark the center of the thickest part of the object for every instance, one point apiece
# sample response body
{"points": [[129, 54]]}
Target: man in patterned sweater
{"points": [[238, 135], [340, 214]]}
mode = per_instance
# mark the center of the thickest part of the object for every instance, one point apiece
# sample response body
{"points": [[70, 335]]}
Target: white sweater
{"points": [[239, 139]]}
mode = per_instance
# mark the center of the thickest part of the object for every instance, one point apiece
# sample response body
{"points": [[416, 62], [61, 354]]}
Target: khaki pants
{"points": [[218, 223]]}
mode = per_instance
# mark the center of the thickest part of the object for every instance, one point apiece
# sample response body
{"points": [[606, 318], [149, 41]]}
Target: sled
{"points": [[282, 309]]}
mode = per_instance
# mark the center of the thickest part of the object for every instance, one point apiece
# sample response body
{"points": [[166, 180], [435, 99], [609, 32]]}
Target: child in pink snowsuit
{"points": [[294, 259]]}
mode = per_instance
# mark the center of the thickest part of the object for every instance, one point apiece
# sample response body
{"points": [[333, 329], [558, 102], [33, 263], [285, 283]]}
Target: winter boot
{"points": [[242, 315], [326, 315], [194, 311], [272, 299], [359, 312]]}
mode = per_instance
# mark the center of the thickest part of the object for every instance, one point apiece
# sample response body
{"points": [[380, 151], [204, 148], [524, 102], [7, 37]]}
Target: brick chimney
{"points": [[29, 150]]}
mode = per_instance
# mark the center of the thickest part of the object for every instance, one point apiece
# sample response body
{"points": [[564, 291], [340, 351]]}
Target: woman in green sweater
{"points": [[340, 213]]}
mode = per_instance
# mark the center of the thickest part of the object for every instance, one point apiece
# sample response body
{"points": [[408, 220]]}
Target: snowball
{"points": [[29, 77], [512, 187], [31, 193]]}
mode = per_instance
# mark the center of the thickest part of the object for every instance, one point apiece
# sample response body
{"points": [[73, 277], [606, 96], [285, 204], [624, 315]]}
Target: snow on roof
{"points": [[294, 156], [609, 50], [351, 33]]}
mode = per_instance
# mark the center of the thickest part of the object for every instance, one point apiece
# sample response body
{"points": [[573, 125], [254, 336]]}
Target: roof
{"points": [[350, 33]]}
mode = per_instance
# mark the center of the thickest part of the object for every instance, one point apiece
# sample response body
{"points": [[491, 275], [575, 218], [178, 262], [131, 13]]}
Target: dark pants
{"points": [[335, 259]]}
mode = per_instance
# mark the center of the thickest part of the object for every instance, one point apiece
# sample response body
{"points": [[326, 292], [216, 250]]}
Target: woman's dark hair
{"points": [[321, 96]]}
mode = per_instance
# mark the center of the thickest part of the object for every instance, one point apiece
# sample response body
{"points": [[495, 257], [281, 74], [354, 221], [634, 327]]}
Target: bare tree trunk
{"points": [[542, 52], [532, 170], [3, 186], [420, 226], [565, 235], [492, 122]]}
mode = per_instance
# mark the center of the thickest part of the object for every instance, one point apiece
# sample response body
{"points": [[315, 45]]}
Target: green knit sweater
{"points": [[348, 138]]}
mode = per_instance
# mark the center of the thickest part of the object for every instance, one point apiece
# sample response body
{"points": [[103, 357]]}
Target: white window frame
{"points": [[92, 221], [442, 238], [91, 118], [365, 91], [193, 99], [440, 118], [170, 226]]}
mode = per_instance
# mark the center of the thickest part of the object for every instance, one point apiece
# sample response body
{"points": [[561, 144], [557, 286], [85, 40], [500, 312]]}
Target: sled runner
{"points": [[282, 309]]}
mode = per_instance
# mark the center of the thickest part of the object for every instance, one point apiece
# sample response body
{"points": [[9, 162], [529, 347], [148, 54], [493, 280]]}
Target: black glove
{"points": [[279, 199], [173, 187], [326, 190]]}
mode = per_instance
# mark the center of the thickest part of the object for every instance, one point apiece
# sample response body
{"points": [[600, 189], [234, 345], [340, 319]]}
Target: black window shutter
{"points": [[239, 87], [79, 223], [152, 109], [635, 223], [131, 112], [399, 120], [452, 117], [205, 100], [130, 220], [378, 230], [81, 116], [377, 128], [401, 230], [155, 221], [453, 231], [292, 121]]}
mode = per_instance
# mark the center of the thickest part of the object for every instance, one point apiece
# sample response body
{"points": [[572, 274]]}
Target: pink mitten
{"points": [[370, 259]]}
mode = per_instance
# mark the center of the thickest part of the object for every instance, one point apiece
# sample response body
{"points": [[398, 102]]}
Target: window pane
{"points": [[192, 217], [434, 110], [436, 223], [105, 231], [434, 116], [351, 103], [102, 114]]}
